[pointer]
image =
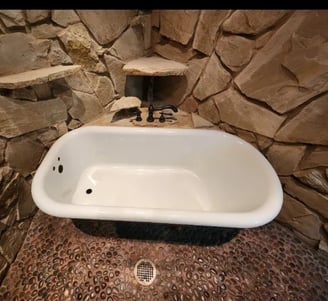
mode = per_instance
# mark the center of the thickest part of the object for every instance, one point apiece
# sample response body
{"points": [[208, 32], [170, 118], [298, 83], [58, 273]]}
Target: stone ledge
{"points": [[36, 77], [154, 66]]}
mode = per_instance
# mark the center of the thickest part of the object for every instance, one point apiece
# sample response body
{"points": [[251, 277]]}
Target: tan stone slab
{"points": [[154, 66], [36, 77]]}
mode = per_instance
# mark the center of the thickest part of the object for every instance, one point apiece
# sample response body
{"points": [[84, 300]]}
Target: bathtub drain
{"points": [[145, 271]]}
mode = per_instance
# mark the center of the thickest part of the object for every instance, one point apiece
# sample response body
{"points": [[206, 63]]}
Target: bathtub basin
{"points": [[180, 176]]}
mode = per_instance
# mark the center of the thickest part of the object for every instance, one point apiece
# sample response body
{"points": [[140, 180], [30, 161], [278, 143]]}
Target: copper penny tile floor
{"points": [[60, 262]]}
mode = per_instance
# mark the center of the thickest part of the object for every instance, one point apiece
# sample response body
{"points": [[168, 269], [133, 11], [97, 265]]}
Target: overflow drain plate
{"points": [[145, 272]]}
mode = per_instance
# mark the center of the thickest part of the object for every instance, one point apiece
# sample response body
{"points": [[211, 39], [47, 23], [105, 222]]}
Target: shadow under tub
{"points": [[169, 233]]}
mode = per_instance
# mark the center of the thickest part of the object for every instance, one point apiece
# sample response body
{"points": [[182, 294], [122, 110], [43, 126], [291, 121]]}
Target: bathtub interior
{"points": [[191, 170]]}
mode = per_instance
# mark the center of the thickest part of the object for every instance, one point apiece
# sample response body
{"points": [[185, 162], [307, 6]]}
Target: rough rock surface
{"points": [[129, 46], [291, 68], [29, 53], [308, 196], [238, 111], [12, 18], [299, 217], [189, 105], [214, 79], [24, 154], [178, 25], [10, 184], [81, 48], [208, 111], [114, 67], [2, 149], [57, 55], [207, 28], [308, 126], [24, 93], [125, 102], [64, 17], [285, 158], [45, 31], [314, 178], [234, 51], [35, 15], [317, 157], [103, 88], [79, 82], [252, 21], [85, 106], [106, 25], [174, 52], [42, 91], [21, 117]]}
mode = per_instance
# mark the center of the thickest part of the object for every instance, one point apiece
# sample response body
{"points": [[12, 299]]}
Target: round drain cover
{"points": [[145, 272]]}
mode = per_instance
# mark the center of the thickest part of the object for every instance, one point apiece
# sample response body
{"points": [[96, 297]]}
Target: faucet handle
{"points": [[164, 107]]}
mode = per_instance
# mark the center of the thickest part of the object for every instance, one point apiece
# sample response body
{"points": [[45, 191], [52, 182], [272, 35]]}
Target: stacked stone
{"points": [[261, 75], [34, 116]]}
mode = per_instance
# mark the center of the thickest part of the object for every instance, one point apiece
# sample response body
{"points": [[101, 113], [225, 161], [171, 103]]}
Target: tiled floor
{"points": [[60, 262]]}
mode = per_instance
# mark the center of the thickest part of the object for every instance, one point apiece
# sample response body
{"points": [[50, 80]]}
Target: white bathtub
{"points": [[180, 176]]}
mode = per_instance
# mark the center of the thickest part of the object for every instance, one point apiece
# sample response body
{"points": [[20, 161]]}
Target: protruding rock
{"points": [[114, 67], [48, 137], [308, 196], [174, 52], [20, 117], [285, 158], [74, 124], [291, 68], [154, 66], [129, 45], [252, 21], [103, 88], [36, 77], [125, 102], [209, 111], [45, 31], [85, 106], [238, 111], [247, 136], [214, 79], [314, 178], [317, 157], [106, 25], [57, 55], [64, 17], [295, 214], [12, 17], [35, 15], [308, 126], [23, 155], [80, 47], [263, 39], [190, 105], [207, 27], [29, 53], [178, 25], [234, 51]]}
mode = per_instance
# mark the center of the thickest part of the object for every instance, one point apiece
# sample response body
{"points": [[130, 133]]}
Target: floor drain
{"points": [[145, 272]]}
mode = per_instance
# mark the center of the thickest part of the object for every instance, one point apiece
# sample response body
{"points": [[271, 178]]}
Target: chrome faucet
{"points": [[152, 109]]}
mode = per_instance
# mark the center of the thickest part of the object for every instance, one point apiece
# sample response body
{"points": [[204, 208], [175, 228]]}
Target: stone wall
{"points": [[262, 75], [33, 117]]}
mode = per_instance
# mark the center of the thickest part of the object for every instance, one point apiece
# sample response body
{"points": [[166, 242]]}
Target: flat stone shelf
{"points": [[36, 77], [154, 66]]}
